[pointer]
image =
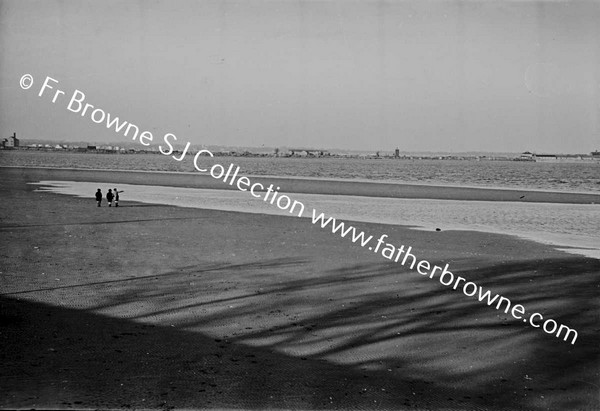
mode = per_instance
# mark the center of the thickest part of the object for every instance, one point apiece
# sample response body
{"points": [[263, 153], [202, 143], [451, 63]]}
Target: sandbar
{"points": [[304, 185]]}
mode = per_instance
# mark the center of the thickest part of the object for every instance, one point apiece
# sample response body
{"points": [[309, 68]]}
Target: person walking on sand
{"points": [[99, 197], [109, 197], [117, 197]]}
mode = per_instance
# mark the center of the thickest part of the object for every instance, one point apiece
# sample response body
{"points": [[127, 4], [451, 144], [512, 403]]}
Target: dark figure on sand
{"points": [[99, 197], [117, 197], [109, 197]]}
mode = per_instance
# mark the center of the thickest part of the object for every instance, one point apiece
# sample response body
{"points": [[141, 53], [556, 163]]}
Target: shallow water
{"points": [[562, 225], [570, 177]]}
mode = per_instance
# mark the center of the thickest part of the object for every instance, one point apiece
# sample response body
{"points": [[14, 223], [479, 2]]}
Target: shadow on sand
{"points": [[328, 341]]}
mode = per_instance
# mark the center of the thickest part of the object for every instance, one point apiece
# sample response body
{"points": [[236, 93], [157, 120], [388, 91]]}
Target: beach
{"points": [[156, 306], [322, 205]]}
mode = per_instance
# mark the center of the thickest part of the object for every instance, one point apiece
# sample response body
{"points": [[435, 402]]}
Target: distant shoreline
{"points": [[81, 147], [306, 185]]}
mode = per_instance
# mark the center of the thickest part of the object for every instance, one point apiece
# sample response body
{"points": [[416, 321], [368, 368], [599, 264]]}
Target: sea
{"points": [[570, 177], [573, 228]]}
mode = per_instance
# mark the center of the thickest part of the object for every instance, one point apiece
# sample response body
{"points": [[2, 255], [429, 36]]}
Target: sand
{"points": [[150, 306], [304, 185], [574, 228]]}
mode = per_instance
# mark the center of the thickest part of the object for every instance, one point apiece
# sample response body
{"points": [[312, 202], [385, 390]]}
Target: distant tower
{"points": [[397, 152], [13, 141]]}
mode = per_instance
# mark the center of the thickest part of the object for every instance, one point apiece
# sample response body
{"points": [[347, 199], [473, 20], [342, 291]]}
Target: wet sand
{"points": [[304, 185], [150, 306], [573, 228]]}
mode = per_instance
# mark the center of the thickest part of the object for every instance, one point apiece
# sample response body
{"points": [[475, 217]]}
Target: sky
{"points": [[503, 76]]}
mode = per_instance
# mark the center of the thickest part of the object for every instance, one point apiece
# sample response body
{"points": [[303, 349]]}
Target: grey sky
{"points": [[374, 75]]}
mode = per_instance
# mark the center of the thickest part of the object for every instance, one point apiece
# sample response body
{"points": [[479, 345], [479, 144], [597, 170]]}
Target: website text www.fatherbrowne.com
{"points": [[403, 255]]}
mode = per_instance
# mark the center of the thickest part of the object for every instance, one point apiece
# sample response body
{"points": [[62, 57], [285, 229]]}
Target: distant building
{"points": [[307, 152], [566, 158], [546, 157], [397, 152], [527, 156], [12, 141]]}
